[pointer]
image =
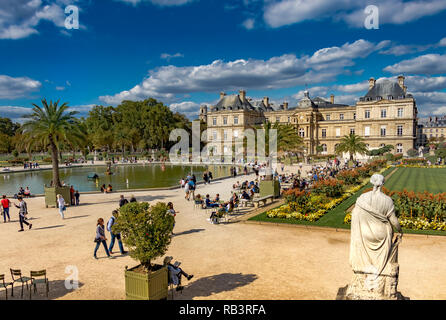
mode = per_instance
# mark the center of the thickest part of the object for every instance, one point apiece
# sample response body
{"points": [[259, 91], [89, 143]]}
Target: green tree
{"points": [[352, 144], [52, 125], [146, 230]]}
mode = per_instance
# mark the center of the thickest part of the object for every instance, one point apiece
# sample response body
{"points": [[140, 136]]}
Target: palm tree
{"points": [[288, 139], [352, 144], [52, 125]]}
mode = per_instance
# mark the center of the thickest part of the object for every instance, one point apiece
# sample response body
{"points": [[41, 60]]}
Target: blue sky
{"points": [[184, 52]]}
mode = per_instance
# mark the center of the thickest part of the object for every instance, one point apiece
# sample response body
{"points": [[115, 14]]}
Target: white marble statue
{"points": [[373, 253]]}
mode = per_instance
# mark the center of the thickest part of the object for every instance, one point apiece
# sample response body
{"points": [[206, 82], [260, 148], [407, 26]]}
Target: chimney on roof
{"points": [[222, 94], [285, 106], [332, 98], [401, 83], [372, 82], [266, 101], [242, 95]]}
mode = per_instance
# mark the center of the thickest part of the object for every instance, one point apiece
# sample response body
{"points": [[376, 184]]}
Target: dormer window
{"points": [[378, 98], [389, 97]]}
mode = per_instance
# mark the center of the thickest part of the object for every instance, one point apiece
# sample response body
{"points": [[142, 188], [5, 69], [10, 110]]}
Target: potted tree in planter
{"points": [[50, 126], [146, 230]]}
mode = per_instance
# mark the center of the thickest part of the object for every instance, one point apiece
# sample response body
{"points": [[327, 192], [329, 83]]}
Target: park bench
{"points": [[262, 200]]}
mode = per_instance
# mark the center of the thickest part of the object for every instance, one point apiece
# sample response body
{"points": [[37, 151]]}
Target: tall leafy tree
{"points": [[352, 144], [52, 124]]}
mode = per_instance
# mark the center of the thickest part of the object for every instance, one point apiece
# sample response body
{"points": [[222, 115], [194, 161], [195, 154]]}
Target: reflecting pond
{"points": [[138, 177]]}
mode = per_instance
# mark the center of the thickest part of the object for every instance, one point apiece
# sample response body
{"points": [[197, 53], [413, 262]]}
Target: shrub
{"points": [[145, 229], [348, 176], [412, 153], [329, 187]]}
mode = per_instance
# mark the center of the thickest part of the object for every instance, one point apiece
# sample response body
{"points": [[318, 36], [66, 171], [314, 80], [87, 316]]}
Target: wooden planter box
{"points": [[149, 286], [52, 192], [269, 188]]}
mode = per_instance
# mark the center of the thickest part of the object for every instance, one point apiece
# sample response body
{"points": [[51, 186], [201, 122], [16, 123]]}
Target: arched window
{"points": [[301, 132]]}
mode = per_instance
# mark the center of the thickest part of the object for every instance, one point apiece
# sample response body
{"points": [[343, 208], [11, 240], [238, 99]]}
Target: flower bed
{"points": [[417, 210], [326, 195]]}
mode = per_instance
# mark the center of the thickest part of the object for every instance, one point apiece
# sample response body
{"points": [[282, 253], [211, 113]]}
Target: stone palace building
{"points": [[385, 115]]}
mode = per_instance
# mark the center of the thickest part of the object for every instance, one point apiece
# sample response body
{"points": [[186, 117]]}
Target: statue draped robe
{"points": [[371, 248]]}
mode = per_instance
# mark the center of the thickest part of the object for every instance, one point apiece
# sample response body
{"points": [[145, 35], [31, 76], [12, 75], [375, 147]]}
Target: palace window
{"points": [[235, 133], [354, 116], [327, 117], [235, 120], [225, 120], [400, 112], [367, 114], [214, 135], [338, 132], [277, 119], [324, 148], [399, 130], [383, 113], [366, 131], [399, 148], [324, 133], [383, 131], [301, 132], [214, 121], [341, 116], [352, 130]]}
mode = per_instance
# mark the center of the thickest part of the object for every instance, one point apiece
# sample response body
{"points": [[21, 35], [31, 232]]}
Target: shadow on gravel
{"points": [[207, 286]]}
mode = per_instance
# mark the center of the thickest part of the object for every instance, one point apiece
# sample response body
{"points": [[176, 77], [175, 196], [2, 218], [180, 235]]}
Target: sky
{"points": [[185, 52]]}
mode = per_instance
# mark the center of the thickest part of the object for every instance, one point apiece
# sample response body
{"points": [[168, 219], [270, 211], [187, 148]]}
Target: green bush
{"points": [[145, 229]]}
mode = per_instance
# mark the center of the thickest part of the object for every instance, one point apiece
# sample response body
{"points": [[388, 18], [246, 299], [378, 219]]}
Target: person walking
{"points": [[5, 203], [114, 236], [172, 211], [23, 211], [122, 201], [61, 205], [100, 238], [76, 197]]}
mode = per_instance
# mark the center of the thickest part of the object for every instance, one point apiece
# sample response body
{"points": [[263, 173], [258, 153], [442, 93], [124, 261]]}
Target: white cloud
{"points": [[425, 64], [188, 108], [168, 57], [277, 72], [442, 42], [13, 88], [60, 88], [248, 24], [279, 13], [19, 18]]}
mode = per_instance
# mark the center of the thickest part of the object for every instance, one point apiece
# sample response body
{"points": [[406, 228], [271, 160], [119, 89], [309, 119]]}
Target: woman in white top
{"points": [[61, 204]]}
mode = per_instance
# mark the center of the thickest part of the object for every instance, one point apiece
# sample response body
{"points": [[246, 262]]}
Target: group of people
{"points": [[207, 177], [107, 189], [101, 239], [30, 165], [189, 184], [23, 211], [26, 193]]}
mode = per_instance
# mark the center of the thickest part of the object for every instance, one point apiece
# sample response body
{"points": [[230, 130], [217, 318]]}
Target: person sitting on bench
{"points": [[175, 273], [209, 203], [245, 196]]}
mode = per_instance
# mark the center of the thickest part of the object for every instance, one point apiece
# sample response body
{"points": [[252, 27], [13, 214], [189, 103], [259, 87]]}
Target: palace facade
{"points": [[385, 115]]}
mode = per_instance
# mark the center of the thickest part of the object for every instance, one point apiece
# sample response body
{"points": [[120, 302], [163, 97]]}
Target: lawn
{"points": [[418, 179], [335, 217]]}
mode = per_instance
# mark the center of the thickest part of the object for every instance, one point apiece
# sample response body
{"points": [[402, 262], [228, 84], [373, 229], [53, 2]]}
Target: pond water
{"points": [[138, 176]]}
